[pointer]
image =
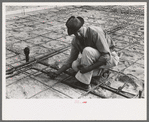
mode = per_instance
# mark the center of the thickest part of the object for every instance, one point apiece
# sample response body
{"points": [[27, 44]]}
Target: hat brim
{"points": [[70, 31]]}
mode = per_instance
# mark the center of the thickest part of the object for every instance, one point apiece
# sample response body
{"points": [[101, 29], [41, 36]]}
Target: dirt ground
{"points": [[44, 32], [14, 8]]}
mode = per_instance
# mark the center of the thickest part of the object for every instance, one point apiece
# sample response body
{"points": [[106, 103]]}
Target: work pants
{"points": [[89, 57]]}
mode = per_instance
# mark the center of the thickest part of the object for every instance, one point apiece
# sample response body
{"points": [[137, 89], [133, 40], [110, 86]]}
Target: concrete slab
{"points": [[8, 52], [8, 32], [141, 61], [117, 82], [121, 44], [31, 72], [39, 66], [52, 22], [14, 79], [24, 88], [122, 65], [136, 70], [37, 51], [10, 55], [90, 96], [16, 63], [27, 29], [57, 58], [50, 94], [136, 48], [45, 79], [56, 45], [39, 31], [26, 10], [45, 26], [12, 60], [32, 24], [8, 66], [21, 20], [15, 25], [38, 40], [130, 56], [24, 35], [67, 90], [60, 29], [52, 35], [66, 39]]}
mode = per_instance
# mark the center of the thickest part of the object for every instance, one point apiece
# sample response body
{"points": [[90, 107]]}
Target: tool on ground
{"points": [[36, 60], [26, 52]]}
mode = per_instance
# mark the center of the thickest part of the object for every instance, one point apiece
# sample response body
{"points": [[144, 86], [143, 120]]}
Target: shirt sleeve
{"points": [[102, 46], [73, 55], [101, 43]]}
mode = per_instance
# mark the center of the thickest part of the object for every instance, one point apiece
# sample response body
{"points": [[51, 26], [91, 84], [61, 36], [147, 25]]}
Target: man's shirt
{"points": [[94, 37]]}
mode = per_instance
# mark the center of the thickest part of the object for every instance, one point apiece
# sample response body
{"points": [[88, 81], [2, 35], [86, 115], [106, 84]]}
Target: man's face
{"points": [[78, 35]]}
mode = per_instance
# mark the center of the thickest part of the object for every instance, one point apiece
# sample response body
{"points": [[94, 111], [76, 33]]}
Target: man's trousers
{"points": [[89, 57]]}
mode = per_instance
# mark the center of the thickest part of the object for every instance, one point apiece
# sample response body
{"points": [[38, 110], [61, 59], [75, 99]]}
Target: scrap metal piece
{"points": [[120, 88]]}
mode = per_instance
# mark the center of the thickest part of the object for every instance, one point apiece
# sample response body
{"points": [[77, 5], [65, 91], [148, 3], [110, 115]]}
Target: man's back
{"points": [[93, 37]]}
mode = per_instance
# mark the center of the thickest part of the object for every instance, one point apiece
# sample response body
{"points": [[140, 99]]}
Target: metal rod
{"points": [[105, 86], [69, 84], [13, 51], [92, 89], [18, 72], [108, 88], [46, 64], [38, 59], [50, 86], [63, 81], [122, 93]]}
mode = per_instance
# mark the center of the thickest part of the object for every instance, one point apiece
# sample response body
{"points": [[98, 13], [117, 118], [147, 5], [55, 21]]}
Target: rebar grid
{"points": [[49, 86], [64, 35]]}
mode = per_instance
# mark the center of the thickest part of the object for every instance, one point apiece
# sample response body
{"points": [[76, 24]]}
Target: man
{"points": [[94, 45]]}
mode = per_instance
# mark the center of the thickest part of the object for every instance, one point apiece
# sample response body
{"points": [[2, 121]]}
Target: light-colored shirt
{"points": [[94, 37]]}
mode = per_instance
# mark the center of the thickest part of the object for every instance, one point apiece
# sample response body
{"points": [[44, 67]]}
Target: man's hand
{"points": [[52, 75], [84, 70], [80, 67]]}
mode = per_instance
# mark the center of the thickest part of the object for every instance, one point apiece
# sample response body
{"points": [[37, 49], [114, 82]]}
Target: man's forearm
{"points": [[96, 65], [63, 68]]}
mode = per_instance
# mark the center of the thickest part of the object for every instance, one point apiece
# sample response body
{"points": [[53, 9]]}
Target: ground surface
{"points": [[14, 8], [44, 32]]}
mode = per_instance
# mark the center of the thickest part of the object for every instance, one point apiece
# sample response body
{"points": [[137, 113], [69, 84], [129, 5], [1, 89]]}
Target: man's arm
{"points": [[62, 69], [73, 56], [102, 61], [97, 64]]}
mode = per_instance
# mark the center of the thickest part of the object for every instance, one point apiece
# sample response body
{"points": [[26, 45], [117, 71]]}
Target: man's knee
{"points": [[75, 65], [105, 58], [91, 52], [88, 49]]}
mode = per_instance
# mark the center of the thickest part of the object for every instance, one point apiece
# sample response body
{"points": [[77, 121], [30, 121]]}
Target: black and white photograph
{"points": [[76, 52]]}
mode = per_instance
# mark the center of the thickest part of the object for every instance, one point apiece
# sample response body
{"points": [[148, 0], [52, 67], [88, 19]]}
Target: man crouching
{"points": [[94, 45]]}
